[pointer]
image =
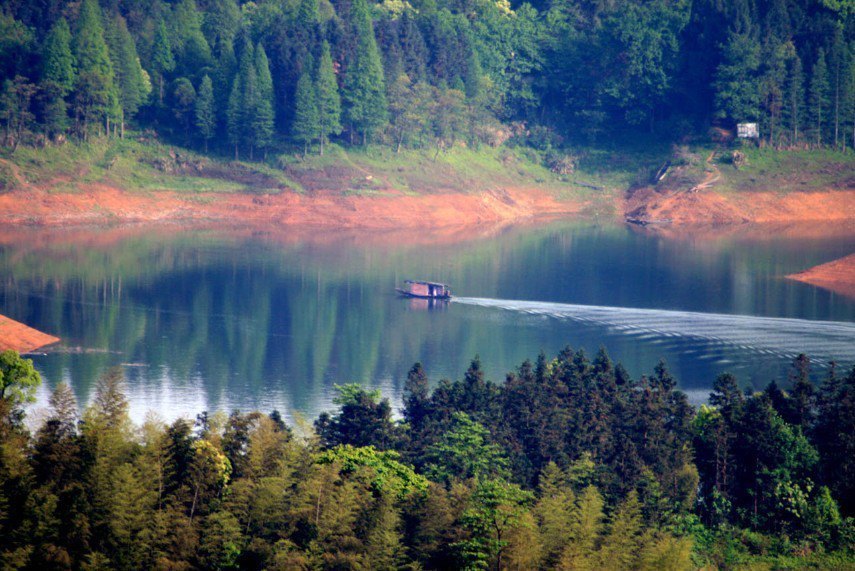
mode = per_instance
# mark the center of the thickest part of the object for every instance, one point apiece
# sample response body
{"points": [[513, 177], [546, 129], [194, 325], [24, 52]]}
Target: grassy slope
{"points": [[600, 176]]}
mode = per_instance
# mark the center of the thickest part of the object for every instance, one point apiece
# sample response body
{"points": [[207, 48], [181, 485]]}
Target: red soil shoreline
{"points": [[18, 337], [837, 276], [99, 203]]}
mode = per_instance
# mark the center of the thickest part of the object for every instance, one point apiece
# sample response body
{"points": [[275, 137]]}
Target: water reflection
{"points": [[208, 319]]}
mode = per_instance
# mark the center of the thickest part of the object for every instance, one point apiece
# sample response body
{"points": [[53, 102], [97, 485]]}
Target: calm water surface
{"points": [[206, 319]]}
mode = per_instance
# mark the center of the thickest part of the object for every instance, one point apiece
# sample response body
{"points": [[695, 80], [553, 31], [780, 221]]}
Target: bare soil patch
{"points": [[18, 337], [837, 276]]}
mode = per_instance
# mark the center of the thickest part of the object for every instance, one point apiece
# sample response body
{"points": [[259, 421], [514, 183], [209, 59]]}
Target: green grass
{"points": [[788, 171], [599, 176]]}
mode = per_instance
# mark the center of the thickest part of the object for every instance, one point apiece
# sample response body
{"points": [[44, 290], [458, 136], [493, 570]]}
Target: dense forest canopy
{"points": [[259, 76], [568, 464]]}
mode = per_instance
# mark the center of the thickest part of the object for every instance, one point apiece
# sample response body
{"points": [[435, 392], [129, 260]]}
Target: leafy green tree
{"points": [[221, 23], [495, 509], [306, 125], [192, 52], [162, 58], [96, 95], [16, 109], [464, 451], [363, 420], [18, 379], [206, 117], [364, 91], [327, 96], [818, 97], [222, 541]]}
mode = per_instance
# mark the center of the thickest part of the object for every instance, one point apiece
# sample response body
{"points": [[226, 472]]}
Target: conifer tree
{"points": [[206, 118], [58, 63], [57, 77], [223, 79], [306, 124], [329, 102], [130, 78], [837, 63], [162, 59], [737, 95], [242, 101], [96, 95], [364, 91], [263, 116], [794, 97], [818, 96]]}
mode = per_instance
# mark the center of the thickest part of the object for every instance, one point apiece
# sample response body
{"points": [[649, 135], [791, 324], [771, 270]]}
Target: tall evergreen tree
{"points": [[306, 125], [130, 77], [837, 63], [328, 100], [58, 61], [263, 115], [57, 77], [242, 101], [206, 117], [364, 91], [737, 95], [794, 98], [96, 94], [818, 100], [162, 59]]}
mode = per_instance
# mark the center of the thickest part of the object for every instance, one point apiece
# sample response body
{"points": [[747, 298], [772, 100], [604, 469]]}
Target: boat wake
{"points": [[821, 340]]}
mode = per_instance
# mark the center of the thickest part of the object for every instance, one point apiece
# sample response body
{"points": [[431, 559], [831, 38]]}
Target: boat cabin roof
{"points": [[425, 283]]}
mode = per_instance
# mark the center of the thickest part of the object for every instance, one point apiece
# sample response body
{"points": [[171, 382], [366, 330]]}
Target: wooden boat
{"points": [[424, 290]]}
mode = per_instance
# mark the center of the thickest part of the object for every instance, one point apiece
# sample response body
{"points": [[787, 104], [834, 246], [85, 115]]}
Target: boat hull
{"points": [[406, 293]]}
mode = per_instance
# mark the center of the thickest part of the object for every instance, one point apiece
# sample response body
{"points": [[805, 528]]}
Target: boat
{"points": [[424, 290]]}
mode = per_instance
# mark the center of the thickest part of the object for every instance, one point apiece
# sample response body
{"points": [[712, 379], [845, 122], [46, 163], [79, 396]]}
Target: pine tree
{"points": [[206, 118], [794, 97], [96, 94], [818, 96], [58, 62], [837, 63], [263, 116], [849, 95], [306, 124], [737, 96], [242, 101], [130, 79], [364, 91], [57, 77], [162, 59], [223, 79], [329, 102]]}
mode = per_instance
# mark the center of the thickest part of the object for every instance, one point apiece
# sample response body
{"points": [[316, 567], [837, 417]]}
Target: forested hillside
{"points": [[245, 79], [569, 464]]}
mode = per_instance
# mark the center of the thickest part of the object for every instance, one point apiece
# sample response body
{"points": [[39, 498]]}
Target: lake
{"points": [[207, 319]]}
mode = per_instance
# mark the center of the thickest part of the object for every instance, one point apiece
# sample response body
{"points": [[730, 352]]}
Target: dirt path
{"points": [[711, 177]]}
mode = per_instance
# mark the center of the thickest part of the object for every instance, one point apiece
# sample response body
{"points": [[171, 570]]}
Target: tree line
{"points": [[260, 76], [569, 464]]}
